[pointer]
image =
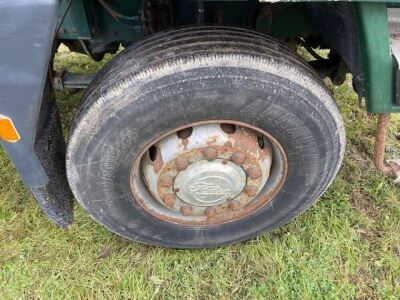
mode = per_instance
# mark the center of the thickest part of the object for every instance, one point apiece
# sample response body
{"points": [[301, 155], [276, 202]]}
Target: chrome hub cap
{"points": [[206, 183], [207, 173]]}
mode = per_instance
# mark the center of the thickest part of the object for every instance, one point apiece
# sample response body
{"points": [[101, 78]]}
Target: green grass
{"points": [[345, 246]]}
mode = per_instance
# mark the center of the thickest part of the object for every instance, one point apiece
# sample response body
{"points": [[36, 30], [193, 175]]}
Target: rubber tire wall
{"points": [[195, 74]]}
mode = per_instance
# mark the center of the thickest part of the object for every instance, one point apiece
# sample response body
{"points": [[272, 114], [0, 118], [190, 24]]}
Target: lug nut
{"points": [[238, 158], [186, 210], [251, 190], [210, 154], [209, 212], [169, 200], [166, 181], [182, 164], [254, 173], [234, 205]]}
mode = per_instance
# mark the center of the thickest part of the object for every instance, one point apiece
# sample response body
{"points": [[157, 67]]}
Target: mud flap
{"points": [[55, 199]]}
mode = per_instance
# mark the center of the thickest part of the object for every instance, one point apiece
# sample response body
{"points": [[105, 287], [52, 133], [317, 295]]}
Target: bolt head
{"points": [[210, 154], [182, 163], [254, 173], [238, 158], [209, 212], [166, 181], [251, 190], [234, 205], [169, 199], [186, 210]]}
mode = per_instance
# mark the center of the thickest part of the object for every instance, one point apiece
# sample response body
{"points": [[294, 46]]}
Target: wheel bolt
{"points": [[251, 190], [254, 173], [234, 205], [210, 154], [209, 212], [186, 210], [166, 181], [238, 158], [182, 164], [169, 199]]}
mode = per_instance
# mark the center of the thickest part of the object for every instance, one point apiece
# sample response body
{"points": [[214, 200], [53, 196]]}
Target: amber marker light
{"points": [[8, 132]]}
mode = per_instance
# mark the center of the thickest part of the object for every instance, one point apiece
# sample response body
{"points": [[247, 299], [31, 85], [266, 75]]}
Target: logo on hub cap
{"points": [[205, 183], [210, 189]]}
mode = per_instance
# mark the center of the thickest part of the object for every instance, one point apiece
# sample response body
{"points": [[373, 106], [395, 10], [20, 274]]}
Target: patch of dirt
{"points": [[364, 280], [363, 204]]}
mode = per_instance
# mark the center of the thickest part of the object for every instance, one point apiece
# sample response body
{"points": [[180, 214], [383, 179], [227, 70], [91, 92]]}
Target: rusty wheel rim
{"points": [[208, 173]]}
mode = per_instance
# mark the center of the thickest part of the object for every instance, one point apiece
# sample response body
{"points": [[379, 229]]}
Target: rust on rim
{"points": [[169, 199], [182, 163], [254, 172], [251, 190], [221, 173], [210, 154], [234, 205], [210, 212], [186, 210], [166, 181], [238, 158]]}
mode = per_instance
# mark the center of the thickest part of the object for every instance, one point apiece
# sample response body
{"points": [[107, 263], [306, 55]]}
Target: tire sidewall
{"points": [[99, 166]]}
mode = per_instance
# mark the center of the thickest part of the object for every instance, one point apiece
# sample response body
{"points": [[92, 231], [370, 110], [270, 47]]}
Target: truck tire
{"points": [[201, 137]]}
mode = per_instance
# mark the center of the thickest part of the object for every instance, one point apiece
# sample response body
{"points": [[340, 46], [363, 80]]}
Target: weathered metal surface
{"points": [[208, 151], [378, 64], [392, 168], [26, 31], [107, 21], [67, 80], [72, 22], [209, 177]]}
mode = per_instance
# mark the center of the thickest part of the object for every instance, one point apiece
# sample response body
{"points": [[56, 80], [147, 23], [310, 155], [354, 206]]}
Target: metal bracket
{"points": [[66, 80]]}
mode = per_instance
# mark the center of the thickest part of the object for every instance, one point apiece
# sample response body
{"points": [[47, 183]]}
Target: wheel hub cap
{"points": [[207, 174], [206, 183]]}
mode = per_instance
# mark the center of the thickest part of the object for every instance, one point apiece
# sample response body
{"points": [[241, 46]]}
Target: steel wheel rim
{"points": [[167, 203]]}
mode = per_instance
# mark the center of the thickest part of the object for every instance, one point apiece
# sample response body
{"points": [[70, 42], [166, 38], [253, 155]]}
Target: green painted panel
{"points": [[378, 64], [74, 20], [89, 19], [110, 27]]}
